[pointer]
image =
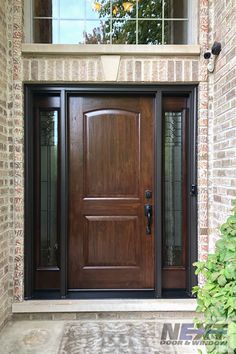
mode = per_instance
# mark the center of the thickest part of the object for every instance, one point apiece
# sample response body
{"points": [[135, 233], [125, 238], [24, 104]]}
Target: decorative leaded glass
{"points": [[173, 189], [48, 187]]}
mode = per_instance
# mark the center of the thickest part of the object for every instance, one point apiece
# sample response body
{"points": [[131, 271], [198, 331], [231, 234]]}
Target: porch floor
{"points": [[105, 336]]}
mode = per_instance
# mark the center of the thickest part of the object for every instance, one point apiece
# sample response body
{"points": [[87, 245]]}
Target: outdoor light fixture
{"points": [[211, 55], [216, 48]]}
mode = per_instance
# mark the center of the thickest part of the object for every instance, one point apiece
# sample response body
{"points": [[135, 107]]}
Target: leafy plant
{"points": [[217, 297]]}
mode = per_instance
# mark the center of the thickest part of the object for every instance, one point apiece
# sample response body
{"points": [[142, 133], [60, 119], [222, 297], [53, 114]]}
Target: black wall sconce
{"points": [[211, 55]]}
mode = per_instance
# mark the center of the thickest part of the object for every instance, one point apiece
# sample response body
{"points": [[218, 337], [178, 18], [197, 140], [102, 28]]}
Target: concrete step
{"points": [[105, 309]]}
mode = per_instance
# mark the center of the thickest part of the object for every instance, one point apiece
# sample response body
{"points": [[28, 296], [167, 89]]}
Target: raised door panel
{"points": [[111, 241], [111, 153]]}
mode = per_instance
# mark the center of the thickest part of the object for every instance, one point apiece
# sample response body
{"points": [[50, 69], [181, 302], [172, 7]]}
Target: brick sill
{"points": [[101, 49], [114, 305]]}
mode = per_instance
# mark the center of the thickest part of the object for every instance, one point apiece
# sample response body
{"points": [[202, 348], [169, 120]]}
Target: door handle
{"points": [[148, 214]]}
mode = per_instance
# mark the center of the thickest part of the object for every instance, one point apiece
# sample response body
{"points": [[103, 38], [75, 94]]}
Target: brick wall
{"points": [[78, 69], [6, 182], [222, 132], [147, 69], [216, 136]]}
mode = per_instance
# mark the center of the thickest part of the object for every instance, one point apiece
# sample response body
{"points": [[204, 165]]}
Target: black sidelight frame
{"points": [[157, 91]]}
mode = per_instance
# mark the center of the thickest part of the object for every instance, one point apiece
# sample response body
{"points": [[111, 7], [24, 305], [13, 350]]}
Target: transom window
{"points": [[110, 21]]}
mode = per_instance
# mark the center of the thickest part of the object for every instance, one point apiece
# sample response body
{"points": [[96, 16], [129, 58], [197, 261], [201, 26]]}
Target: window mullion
{"points": [[59, 21], [110, 21], [163, 22]]}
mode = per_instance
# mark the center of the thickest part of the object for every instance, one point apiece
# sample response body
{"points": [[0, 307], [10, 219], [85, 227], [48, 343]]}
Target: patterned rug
{"points": [[113, 338]]}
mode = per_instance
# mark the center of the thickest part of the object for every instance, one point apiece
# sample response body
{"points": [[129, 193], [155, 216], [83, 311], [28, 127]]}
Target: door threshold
{"points": [[95, 294], [110, 294], [105, 305]]}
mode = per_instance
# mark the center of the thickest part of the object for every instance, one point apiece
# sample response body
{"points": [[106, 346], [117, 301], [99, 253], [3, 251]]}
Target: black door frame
{"points": [[158, 91]]}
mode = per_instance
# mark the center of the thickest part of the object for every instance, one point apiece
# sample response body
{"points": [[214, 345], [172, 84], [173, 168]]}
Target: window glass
{"points": [[48, 187], [72, 31], [175, 32], [150, 9], [46, 8], [123, 32], [175, 9], [95, 32], [121, 9], [111, 21], [46, 31], [72, 9], [150, 32], [173, 181], [96, 11], [43, 8]]}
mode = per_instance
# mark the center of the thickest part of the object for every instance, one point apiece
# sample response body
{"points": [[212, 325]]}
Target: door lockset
{"points": [[148, 214], [148, 194]]}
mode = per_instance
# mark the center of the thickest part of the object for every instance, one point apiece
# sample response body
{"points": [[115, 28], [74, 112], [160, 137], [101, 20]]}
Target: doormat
{"points": [[112, 337]]}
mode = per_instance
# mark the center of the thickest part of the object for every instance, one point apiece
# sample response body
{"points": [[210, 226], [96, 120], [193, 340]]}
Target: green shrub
{"points": [[217, 297]]}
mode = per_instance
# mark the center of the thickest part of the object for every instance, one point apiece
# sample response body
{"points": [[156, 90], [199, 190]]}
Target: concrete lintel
{"points": [[114, 305], [110, 64], [106, 49]]}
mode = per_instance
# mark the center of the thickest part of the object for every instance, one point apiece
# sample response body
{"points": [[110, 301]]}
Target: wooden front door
{"points": [[91, 185], [111, 168]]}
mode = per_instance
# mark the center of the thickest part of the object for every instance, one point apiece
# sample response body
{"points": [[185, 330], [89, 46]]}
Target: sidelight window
{"points": [[46, 184], [173, 172], [175, 182], [111, 21], [48, 188]]}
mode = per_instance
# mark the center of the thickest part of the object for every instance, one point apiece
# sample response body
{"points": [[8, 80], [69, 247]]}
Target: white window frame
{"points": [[192, 34]]}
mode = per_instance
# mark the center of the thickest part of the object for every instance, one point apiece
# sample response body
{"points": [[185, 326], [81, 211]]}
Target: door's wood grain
{"points": [[112, 160], [111, 164], [111, 241]]}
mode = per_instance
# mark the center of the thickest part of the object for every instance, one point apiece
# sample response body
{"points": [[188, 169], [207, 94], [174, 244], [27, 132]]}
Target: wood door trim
{"points": [[64, 90]]}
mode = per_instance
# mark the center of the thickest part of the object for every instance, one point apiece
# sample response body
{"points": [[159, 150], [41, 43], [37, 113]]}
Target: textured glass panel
{"points": [[44, 194], [43, 241], [48, 187], [173, 189]]}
